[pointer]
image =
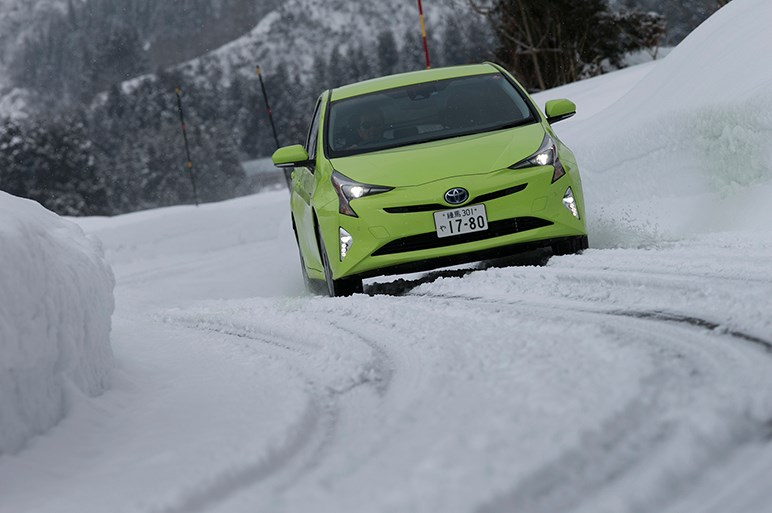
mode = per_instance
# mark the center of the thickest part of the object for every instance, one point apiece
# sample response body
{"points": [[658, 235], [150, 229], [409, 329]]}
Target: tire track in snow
{"points": [[622, 442], [629, 436], [628, 445], [382, 370], [697, 322], [376, 374], [652, 315], [309, 438], [205, 495], [312, 428]]}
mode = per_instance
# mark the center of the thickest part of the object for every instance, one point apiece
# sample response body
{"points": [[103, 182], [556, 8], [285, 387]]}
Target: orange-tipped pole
{"points": [[423, 33], [267, 106], [189, 162], [287, 171]]}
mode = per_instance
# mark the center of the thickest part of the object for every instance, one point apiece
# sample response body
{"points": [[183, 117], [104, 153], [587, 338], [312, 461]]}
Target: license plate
{"points": [[460, 220]]}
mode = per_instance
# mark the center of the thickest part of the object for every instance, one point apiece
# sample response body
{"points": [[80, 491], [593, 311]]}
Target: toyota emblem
{"points": [[456, 196]]}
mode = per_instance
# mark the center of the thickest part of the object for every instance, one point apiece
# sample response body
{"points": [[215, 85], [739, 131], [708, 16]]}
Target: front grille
{"points": [[415, 208], [499, 194], [430, 240], [437, 206]]}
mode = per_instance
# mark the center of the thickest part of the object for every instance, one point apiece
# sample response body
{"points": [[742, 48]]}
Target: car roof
{"points": [[413, 77]]}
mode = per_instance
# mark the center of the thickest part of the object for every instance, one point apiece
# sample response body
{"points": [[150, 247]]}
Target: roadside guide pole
{"points": [[287, 172], [267, 107], [189, 163], [423, 33]]}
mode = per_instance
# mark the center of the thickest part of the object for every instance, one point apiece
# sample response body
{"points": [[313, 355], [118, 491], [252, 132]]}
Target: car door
{"points": [[304, 185]]}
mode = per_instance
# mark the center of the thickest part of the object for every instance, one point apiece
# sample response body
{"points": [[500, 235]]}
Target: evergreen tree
{"points": [[118, 58], [412, 55], [467, 41], [359, 65], [243, 105], [320, 74], [53, 164], [388, 54], [14, 148], [337, 73]]}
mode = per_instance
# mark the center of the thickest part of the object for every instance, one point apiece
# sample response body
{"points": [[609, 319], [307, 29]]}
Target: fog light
{"points": [[345, 242], [570, 203]]}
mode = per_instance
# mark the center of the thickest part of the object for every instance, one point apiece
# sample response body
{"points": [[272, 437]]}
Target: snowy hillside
{"points": [[300, 30], [636, 377], [19, 19]]}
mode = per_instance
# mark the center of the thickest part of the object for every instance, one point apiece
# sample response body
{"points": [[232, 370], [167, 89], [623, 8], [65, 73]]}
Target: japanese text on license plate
{"points": [[461, 220]]}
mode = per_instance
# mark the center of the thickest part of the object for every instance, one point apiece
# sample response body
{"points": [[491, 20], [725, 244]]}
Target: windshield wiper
{"points": [[512, 124]]}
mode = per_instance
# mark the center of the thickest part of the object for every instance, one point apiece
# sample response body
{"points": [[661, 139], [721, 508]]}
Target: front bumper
{"points": [[395, 231]]}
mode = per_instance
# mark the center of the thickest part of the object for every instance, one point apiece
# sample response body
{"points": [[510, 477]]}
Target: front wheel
{"points": [[342, 286], [307, 282], [311, 286]]}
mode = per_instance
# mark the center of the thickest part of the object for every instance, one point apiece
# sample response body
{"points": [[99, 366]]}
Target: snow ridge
{"points": [[55, 306]]}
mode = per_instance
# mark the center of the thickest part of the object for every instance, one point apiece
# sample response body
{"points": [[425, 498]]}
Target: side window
{"points": [[313, 131]]}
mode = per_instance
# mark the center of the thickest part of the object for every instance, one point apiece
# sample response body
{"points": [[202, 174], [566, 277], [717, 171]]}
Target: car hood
{"points": [[427, 162]]}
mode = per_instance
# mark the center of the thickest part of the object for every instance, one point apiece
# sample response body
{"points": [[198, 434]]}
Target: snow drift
{"points": [[689, 147], [56, 299]]}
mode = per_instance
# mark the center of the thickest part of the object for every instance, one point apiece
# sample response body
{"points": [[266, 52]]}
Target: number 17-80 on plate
{"points": [[460, 220]]}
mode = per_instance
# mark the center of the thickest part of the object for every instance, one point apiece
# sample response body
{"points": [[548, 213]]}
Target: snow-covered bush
{"points": [[56, 299]]}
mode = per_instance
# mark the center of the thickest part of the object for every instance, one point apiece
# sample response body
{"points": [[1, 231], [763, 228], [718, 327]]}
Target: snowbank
{"points": [[56, 299], [688, 149]]}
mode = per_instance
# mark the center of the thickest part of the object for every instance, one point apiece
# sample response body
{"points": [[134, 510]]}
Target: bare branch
{"points": [[479, 9]]}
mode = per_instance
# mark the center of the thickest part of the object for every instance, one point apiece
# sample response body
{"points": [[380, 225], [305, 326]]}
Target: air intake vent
{"points": [[437, 206]]}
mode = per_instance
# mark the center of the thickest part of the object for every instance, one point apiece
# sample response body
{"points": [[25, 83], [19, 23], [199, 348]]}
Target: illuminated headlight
{"points": [[546, 155], [357, 191], [570, 203], [347, 190], [345, 242]]}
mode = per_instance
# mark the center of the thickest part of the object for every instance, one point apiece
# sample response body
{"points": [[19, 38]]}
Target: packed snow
{"points": [[56, 300], [635, 377], [687, 149]]}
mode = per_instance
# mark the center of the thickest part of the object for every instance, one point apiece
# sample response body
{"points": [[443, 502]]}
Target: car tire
{"points": [[306, 279], [312, 286], [303, 270], [570, 246], [340, 287]]}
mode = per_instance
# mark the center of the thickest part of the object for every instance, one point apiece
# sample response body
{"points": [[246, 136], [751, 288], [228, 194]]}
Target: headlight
{"points": [[347, 190], [546, 155]]}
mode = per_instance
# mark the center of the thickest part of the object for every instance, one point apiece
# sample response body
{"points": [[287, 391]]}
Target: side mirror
{"points": [[290, 156], [558, 110]]}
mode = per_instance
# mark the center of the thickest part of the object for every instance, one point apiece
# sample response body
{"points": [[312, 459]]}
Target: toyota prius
{"points": [[428, 169]]}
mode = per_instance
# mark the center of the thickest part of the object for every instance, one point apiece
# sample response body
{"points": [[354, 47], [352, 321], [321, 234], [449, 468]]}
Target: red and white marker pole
{"points": [[188, 163], [267, 107], [423, 33]]}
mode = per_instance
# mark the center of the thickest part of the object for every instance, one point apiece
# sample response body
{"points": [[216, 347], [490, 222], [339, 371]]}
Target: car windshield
{"points": [[424, 112]]}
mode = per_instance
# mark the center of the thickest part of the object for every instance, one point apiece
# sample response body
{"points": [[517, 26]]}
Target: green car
{"points": [[428, 169]]}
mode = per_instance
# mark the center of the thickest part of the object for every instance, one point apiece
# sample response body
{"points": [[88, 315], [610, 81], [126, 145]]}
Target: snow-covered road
{"points": [[636, 377], [611, 381], [605, 382]]}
